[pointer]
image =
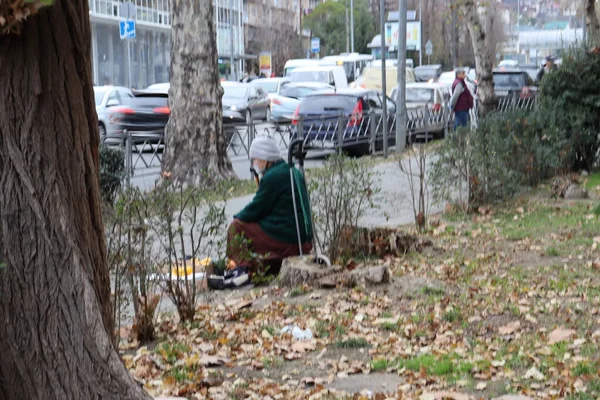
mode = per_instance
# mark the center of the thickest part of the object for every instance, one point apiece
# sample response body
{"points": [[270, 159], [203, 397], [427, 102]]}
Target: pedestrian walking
{"points": [[462, 100], [548, 67]]}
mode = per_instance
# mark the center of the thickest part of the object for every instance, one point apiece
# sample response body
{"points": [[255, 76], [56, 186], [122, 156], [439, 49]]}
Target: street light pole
{"points": [[518, 28], [421, 35], [401, 93], [352, 25], [231, 60], [383, 80]]}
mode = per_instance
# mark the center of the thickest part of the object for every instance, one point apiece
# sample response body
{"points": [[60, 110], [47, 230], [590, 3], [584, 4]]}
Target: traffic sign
{"points": [[429, 48], [127, 29], [315, 45]]}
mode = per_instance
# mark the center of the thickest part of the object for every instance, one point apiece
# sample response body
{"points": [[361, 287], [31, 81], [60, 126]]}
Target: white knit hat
{"points": [[265, 148]]}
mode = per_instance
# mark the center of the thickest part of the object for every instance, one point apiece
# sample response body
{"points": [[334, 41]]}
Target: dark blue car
{"points": [[347, 117]]}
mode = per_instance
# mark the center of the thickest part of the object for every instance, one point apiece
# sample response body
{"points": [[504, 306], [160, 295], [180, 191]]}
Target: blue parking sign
{"points": [[315, 45], [127, 29]]}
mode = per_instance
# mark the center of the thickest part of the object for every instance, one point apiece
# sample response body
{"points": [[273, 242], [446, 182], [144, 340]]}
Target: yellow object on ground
{"points": [[188, 268]]}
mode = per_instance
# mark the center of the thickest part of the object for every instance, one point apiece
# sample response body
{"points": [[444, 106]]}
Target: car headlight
{"points": [[233, 108]]}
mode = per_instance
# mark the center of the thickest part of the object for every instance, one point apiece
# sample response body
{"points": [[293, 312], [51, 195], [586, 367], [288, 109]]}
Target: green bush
{"points": [[112, 168], [570, 97], [507, 152]]}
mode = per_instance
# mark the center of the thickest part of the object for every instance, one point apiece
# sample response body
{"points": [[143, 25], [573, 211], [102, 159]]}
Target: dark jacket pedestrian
{"points": [[462, 100], [548, 67], [267, 225]]}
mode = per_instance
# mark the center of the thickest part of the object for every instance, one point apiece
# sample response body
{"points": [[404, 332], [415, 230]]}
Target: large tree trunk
{"points": [[196, 147], [592, 23], [57, 327], [483, 58]]}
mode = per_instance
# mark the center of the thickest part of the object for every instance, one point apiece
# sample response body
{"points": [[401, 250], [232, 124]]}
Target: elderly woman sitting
{"points": [[265, 230]]}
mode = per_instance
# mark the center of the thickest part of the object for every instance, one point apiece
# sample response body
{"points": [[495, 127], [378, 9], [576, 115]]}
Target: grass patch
{"points": [[272, 362], [171, 352], [271, 329], [452, 315], [352, 343], [299, 291], [381, 364], [552, 252], [432, 291], [545, 219], [593, 181], [582, 368], [183, 373], [390, 326], [559, 350], [433, 366]]}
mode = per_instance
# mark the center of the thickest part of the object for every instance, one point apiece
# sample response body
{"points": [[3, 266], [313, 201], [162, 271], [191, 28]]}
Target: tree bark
{"points": [[592, 23], [57, 324], [196, 152], [483, 58]]}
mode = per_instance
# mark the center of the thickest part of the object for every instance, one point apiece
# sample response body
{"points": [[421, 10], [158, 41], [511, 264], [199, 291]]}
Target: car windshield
{"points": [[234, 92], [419, 95], [267, 86], [310, 76], [509, 80], [328, 104], [426, 74], [99, 95]]}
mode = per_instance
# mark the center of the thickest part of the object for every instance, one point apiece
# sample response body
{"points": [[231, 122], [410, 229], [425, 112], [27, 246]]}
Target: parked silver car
{"points": [[107, 97]]}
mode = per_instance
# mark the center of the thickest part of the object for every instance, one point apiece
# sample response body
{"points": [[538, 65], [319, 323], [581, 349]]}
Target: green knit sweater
{"points": [[273, 209]]}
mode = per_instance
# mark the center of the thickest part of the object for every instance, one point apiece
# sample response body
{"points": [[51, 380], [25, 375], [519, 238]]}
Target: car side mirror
{"points": [[112, 103]]}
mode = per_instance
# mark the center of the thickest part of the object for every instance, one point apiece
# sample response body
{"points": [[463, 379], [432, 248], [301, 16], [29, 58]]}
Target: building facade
{"points": [[145, 60]]}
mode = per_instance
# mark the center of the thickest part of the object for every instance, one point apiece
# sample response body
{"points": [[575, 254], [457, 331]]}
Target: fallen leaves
{"points": [[559, 335], [533, 373], [470, 315], [510, 328]]}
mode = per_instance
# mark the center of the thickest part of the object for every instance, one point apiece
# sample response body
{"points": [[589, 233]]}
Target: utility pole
{"points": [[383, 80], [421, 37], [401, 93], [518, 28], [231, 59], [352, 25], [347, 33]]}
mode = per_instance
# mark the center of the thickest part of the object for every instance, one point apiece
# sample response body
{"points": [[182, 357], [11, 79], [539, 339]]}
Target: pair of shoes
{"points": [[233, 279]]}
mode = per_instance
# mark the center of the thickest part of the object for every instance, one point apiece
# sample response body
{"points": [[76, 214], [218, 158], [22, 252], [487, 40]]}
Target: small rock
{"points": [[576, 192], [584, 173]]}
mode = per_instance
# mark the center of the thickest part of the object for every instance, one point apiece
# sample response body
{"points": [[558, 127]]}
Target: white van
{"points": [[291, 65], [334, 75]]}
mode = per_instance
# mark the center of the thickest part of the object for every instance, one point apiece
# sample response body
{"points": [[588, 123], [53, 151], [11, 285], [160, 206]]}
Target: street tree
{"points": [[592, 22], [196, 149], [328, 22], [269, 29], [483, 55], [57, 328]]}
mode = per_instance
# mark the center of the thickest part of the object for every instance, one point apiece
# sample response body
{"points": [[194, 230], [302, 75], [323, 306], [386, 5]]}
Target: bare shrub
{"points": [[341, 193]]}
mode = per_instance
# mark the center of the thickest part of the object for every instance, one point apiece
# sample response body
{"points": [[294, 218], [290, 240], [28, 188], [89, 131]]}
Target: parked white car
{"points": [[334, 76], [107, 97]]}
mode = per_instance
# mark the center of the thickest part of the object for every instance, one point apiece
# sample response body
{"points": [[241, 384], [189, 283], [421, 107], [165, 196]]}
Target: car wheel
{"points": [[269, 117], [248, 117], [102, 131]]}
